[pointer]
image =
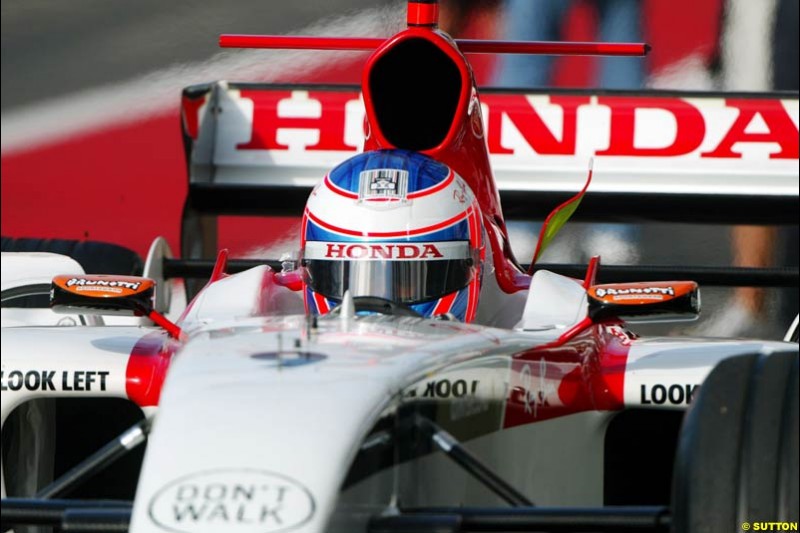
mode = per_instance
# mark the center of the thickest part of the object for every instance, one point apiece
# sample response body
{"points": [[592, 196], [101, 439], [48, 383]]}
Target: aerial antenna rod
{"points": [[425, 14], [467, 46]]}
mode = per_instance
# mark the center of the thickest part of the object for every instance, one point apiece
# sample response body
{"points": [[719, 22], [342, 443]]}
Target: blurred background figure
{"points": [[759, 53], [550, 20], [544, 20]]}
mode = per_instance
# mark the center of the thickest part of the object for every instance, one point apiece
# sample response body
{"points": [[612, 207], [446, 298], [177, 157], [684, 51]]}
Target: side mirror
{"points": [[665, 301], [102, 295], [109, 295]]}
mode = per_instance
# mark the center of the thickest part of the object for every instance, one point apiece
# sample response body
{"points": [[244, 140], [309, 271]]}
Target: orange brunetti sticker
{"points": [[102, 286], [641, 293]]}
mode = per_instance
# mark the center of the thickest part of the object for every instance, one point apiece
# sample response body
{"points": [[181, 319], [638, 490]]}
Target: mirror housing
{"points": [[663, 301], [102, 295]]}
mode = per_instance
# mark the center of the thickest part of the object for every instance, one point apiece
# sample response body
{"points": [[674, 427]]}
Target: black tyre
{"points": [[737, 458], [95, 257]]}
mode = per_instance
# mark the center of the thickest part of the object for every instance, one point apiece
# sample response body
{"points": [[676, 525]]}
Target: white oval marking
{"points": [[232, 500]]}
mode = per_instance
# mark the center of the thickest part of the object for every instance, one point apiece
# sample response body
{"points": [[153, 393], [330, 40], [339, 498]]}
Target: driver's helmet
{"points": [[393, 225]]}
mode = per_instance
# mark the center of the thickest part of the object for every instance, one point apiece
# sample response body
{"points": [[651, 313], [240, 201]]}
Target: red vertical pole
{"points": [[423, 13]]}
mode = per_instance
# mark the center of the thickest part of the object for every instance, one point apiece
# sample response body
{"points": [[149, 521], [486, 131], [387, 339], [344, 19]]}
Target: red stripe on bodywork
{"points": [[585, 373], [607, 381], [472, 299], [474, 226], [475, 238], [303, 229], [147, 368]]}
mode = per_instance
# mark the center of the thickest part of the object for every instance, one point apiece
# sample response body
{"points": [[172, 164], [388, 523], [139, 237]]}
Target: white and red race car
{"points": [[272, 404]]}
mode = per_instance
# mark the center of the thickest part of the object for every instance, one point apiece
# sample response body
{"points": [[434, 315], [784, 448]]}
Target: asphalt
{"points": [[52, 48]]}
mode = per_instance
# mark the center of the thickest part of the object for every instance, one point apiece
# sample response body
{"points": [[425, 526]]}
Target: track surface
{"points": [[52, 48]]}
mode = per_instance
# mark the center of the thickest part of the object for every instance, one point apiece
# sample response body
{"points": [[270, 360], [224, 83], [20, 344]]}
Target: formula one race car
{"points": [[404, 372]]}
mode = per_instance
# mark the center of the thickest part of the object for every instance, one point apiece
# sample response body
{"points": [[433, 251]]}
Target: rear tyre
{"points": [[95, 257], [737, 458]]}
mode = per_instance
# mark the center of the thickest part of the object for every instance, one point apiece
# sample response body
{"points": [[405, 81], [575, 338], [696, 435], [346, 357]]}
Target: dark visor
{"points": [[404, 281]]}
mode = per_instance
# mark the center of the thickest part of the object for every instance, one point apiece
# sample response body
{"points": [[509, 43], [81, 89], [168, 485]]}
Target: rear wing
{"points": [[659, 156], [258, 149]]}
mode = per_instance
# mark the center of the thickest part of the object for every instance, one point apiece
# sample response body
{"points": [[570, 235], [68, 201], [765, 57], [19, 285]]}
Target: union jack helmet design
{"points": [[396, 225]]}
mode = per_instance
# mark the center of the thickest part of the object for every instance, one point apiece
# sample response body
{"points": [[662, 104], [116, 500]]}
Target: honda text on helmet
{"points": [[398, 226]]}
